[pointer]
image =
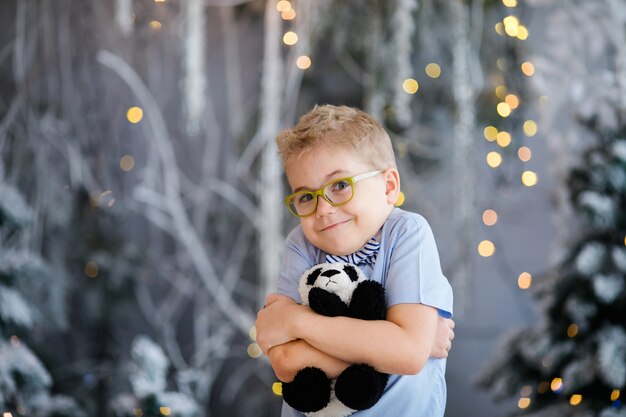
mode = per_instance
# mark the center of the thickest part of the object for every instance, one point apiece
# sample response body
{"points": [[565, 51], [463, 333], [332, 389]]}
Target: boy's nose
{"points": [[323, 207]]}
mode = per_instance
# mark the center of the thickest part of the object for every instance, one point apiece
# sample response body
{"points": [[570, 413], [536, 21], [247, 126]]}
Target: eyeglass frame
{"points": [[320, 192]]}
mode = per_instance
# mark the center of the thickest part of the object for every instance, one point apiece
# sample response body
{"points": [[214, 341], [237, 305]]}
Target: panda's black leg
{"points": [[368, 301], [360, 386], [309, 391], [326, 303]]}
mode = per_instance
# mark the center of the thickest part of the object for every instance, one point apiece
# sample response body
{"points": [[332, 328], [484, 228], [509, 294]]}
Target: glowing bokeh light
{"points": [[503, 109], [91, 269], [522, 33], [490, 133], [503, 139], [283, 5], [556, 385], [288, 14], [254, 351], [166, 411], [410, 86], [523, 402], [509, 3], [134, 114], [490, 217], [572, 330], [156, 25], [433, 70], [252, 333], [127, 163], [290, 38], [501, 92], [615, 395], [529, 178], [530, 128], [575, 399], [499, 28], [277, 388], [512, 100], [486, 248], [528, 69], [303, 62], [524, 154], [494, 159], [524, 280], [526, 390]]}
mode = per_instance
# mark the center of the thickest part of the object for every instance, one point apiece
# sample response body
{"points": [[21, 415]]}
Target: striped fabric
{"points": [[365, 255]]}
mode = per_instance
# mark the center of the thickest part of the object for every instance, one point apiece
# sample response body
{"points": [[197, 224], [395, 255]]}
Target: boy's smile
{"points": [[344, 229]]}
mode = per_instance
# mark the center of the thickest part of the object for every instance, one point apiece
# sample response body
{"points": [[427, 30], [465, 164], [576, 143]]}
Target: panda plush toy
{"points": [[338, 289]]}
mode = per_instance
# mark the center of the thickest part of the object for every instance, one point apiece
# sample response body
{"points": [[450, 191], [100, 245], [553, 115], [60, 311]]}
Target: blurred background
{"points": [[141, 216]]}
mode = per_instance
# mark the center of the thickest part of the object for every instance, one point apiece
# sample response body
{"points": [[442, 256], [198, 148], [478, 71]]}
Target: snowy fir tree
{"points": [[24, 381], [573, 363]]}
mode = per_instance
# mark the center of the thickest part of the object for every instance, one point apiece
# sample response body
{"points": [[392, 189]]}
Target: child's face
{"points": [[341, 230]]}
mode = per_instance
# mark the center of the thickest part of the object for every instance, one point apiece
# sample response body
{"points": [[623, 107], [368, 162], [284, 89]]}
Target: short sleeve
{"points": [[298, 256], [414, 271]]}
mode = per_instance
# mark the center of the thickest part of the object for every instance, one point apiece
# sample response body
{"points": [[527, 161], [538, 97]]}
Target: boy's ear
{"points": [[392, 185]]}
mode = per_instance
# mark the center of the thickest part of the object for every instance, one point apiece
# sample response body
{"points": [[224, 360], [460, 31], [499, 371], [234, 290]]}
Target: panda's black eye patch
{"points": [[310, 280], [351, 271], [330, 273]]}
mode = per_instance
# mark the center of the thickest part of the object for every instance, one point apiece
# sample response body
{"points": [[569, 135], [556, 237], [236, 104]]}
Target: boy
{"points": [[347, 157]]}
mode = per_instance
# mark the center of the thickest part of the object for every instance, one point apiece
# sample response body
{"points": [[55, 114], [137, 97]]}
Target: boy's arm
{"points": [[401, 344], [287, 359]]}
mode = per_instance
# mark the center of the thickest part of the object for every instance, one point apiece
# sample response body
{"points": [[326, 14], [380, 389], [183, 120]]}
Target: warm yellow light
{"points": [[490, 217], [524, 153], [290, 38], [134, 114], [7, 414], [303, 62], [490, 133], [501, 92], [156, 25], [138, 412], [486, 248], [511, 30], [503, 139], [523, 402], [528, 69], [283, 6], [501, 64], [494, 159], [499, 28], [526, 390], [401, 199], [252, 333], [512, 100], [510, 21], [410, 86], [575, 399], [127, 163], [254, 351], [522, 33], [530, 128], [91, 269], [288, 14], [529, 178], [556, 384], [166, 411], [277, 388], [509, 3], [503, 109], [615, 395], [524, 280], [572, 330], [433, 70]]}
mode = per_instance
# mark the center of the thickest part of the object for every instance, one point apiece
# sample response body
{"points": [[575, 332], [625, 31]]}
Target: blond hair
{"points": [[338, 126]]}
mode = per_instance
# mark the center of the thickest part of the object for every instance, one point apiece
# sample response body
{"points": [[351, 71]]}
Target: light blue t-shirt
{"points": [[408, 267]]}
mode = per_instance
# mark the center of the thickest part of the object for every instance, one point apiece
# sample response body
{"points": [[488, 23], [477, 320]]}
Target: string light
{"points": [[127, 163], [615, 395], [529, 178], [410, 86], [277, 388], [509, 3], [433, 70], [528, 69], [283, 6], [523, 402], [501, 92], [252, 333], [166, 411], [522, 33], [503, 139], [575, 399], [503, 109], [490, 133], [530, 128], [486, 248], [499, 28], [512, 100], [526, 390], [134, 114], [524, 153], [288, 14], [494, 159], [254, 351], [156, 25], [572, 330], [290, 38], [303, 62], [138, 412], [490, 217], [524, 280], [556, 385]]}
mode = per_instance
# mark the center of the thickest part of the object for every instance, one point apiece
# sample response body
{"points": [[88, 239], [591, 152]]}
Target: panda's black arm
{"points": [[368, 301], [326, 303]]}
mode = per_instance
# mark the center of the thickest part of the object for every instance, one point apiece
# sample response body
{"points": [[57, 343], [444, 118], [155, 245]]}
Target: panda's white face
{"points": [[336, 278]]}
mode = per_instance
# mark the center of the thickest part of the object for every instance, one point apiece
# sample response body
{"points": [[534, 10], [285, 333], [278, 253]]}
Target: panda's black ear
{"points": [[351, 271], [310, 280]]}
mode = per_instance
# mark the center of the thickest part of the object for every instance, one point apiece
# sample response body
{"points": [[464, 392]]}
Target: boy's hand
{"points": [[443, 338], [273, 321]]}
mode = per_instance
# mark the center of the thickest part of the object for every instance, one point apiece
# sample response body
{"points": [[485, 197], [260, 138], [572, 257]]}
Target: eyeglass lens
{"points": [[336, 193]]}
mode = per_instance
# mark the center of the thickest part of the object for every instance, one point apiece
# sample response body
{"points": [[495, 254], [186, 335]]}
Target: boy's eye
{"points": [[340, 185], [304, 198]]}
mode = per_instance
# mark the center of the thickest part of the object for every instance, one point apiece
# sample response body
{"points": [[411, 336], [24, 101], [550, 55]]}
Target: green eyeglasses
{"points": [[336, 193]]}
